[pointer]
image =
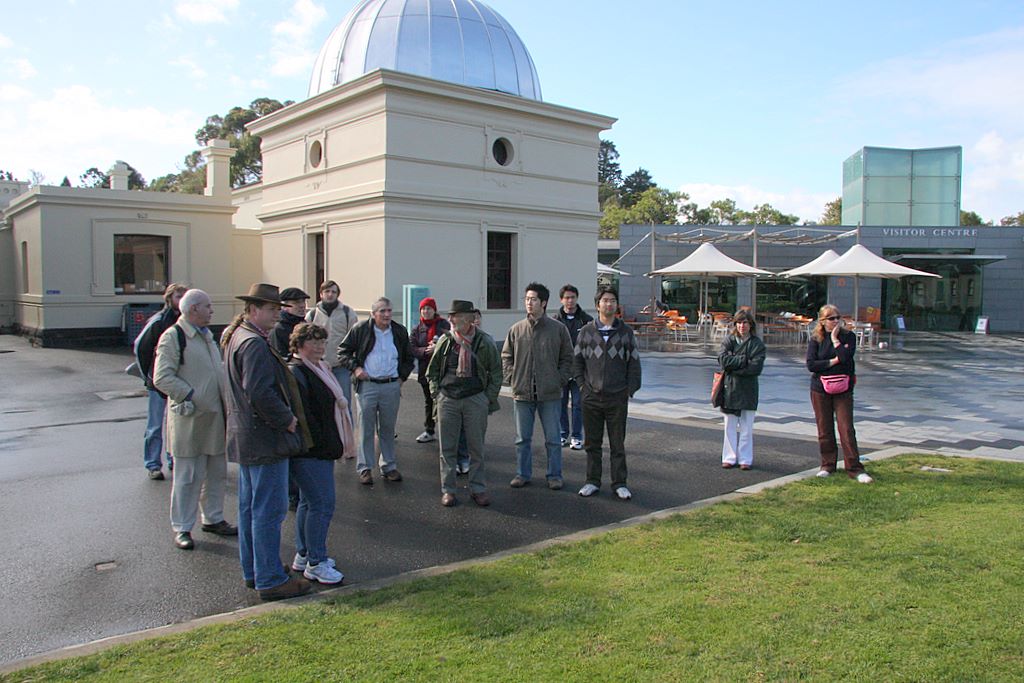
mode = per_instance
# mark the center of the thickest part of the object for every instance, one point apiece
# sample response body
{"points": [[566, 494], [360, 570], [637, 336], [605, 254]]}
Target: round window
{"points": [[502, 151], [316, 154]]}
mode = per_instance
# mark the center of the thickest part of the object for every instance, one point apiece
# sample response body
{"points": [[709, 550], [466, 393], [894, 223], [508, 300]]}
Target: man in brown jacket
{"points": [[536, 362]]}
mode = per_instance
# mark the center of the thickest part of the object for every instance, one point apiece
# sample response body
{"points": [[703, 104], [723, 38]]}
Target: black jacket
{"points": [[145, 343], [282, 332], [359, 341], [318, 402], [742, 362], [576, 324], [820, 353]]}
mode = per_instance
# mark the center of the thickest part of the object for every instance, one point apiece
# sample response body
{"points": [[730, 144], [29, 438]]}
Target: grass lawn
{"points": [[917, 577]]}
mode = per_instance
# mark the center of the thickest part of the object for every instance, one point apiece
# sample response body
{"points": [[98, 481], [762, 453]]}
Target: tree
{"points": [[723, 212], [634, 185], [1013, 220], [656, 205], [97, 178], [766, 214], [246, 165], [833, 214], [36, 178], [6, 175], [65, 182], [972, 218], [609, 174]]}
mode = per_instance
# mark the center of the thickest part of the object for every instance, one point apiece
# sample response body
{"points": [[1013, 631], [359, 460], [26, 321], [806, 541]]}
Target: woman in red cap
{"points": [[422, 340]]}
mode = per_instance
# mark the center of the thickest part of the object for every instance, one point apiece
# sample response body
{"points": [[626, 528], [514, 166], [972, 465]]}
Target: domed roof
{"points": [[459, 41]]}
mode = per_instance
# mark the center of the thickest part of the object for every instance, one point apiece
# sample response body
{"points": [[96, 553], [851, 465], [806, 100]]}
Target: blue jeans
{"points": [[316, 506], [153, 443], [572, 390], [262, 505], [524, 414]]}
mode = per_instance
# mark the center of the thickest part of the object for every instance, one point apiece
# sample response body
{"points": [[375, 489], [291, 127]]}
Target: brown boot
{"points": [[292, 588]]}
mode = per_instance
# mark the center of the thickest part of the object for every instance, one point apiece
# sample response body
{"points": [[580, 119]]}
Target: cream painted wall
{"points": [[70, 233], [408, 188]]}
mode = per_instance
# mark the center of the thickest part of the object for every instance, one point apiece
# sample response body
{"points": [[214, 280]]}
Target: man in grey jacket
{"points": [[536, 362]]}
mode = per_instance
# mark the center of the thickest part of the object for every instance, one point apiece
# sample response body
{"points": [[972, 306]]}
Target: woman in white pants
{"points": [[742, 357]]}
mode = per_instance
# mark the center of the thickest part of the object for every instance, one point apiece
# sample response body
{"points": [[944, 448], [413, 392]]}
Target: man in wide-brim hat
{"points": [[263, 406], [465, 377]]}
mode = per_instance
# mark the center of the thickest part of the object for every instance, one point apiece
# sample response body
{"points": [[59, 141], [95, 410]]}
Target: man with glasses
{"points": [[378, 354], [536, 362]]}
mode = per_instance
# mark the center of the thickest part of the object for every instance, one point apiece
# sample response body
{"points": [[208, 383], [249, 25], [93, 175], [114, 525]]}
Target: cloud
{"points": [[195, 71], [205, 11], [13, 93], [5, 41], [993, 182], [807, 205], [291, 53], [21, 67], [972, 78], [42, 133]]}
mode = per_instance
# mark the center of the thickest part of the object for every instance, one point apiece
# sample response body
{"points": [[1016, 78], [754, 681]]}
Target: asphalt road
{"points": [[88, 545]]}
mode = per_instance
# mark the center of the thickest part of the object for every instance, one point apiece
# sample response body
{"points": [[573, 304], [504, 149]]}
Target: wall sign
{"points": [[982, 325]]}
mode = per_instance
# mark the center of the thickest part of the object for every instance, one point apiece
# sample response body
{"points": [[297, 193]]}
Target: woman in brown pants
{"points": [[830, 353]]}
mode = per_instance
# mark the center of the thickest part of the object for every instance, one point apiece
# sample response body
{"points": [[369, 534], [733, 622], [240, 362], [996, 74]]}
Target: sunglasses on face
{"points": [[832, 318]]}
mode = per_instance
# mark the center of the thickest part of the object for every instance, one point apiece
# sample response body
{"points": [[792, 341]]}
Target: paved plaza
{"points": [[947, 391], [89, 550]]}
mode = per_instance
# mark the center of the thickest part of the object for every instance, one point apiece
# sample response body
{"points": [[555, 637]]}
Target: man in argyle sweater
{"points": [[607, 367]]}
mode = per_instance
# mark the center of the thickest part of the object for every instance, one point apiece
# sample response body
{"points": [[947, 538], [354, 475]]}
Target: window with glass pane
{"points": [[937, 162], [889, 162], [141, 264], [499, 270]]}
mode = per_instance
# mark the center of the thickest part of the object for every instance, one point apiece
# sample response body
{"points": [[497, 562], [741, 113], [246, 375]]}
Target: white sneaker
{"points": [[565, 442], [462, 468], [576, 444], [623, 493], [299, 562], [823, 473], [864, 478], [323, 573], [425, 437], [588, 490]]}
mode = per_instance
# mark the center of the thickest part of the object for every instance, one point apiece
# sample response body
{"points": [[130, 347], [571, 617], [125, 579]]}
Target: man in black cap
{"points": [[465, 378], [293, 312]]}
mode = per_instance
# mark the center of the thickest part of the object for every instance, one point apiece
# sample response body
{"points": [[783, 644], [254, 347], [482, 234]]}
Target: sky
{"points": [[756, 101]]}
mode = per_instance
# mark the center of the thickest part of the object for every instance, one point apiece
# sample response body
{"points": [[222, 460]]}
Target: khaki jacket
{"points": [[202, 432], [536, 360]]}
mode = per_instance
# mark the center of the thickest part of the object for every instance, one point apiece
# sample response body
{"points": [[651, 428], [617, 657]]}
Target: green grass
{"points": [[918, 577]]}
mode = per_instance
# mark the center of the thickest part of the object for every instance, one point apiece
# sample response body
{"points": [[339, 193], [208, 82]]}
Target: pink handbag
{"points": [[835, 384]]}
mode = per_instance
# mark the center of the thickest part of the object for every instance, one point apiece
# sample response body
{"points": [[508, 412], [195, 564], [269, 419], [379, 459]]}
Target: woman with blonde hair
{"points": [[830, 359], [742, 357]]}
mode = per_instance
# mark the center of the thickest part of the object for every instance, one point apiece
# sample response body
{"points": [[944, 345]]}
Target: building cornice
{"points": [[126, 200], [384, 80]]}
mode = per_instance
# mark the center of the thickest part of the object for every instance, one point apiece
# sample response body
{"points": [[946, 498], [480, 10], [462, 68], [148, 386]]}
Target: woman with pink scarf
{"points": [[330, 425]]}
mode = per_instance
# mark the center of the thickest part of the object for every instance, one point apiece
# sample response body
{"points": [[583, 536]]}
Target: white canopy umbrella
{"points": [[608, 270], [808, 268], [707, 261], [858, 262]]}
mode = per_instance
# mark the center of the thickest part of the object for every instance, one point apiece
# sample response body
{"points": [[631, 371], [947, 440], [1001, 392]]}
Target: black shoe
{"points": [[156, 475], [183, 540], [221, 528]]}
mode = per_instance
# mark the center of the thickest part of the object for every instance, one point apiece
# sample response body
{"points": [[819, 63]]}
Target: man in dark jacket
{"points": [[293, 312], [607, 366], [265, 426], [377, 352], [145, 356], [574, 318]]}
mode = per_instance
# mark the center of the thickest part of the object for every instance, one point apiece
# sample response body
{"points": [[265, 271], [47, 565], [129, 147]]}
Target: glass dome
{"points": [[459, 41]]}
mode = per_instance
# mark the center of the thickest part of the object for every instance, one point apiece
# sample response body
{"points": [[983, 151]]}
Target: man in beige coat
{"points": [[191, 377]]}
